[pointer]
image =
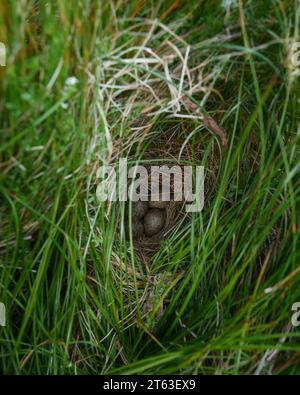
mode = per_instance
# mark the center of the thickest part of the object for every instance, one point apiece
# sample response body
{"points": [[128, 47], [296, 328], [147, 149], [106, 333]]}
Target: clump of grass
{"points": [[216, 296]]}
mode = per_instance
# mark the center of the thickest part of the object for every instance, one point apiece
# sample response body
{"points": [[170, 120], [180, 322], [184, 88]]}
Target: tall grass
{"points": [[217, 296]]}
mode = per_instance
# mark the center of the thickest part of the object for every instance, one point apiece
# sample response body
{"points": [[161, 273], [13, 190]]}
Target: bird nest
{"points": [[172, 150], [174, 212]]}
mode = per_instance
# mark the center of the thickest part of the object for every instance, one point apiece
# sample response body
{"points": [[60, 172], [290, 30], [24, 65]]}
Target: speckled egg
{"points": [[159, 204], [154, 221], [139, 209]]}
